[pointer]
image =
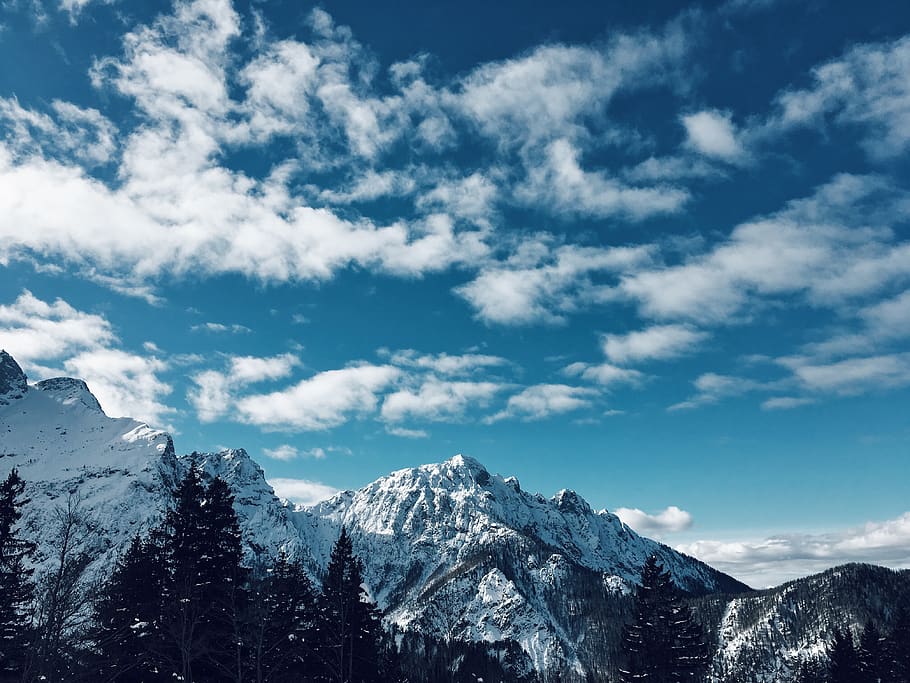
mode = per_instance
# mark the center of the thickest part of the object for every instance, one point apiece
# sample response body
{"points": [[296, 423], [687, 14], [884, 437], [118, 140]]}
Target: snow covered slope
{"points": [[116, 474], [455, 550], [451, 550]]}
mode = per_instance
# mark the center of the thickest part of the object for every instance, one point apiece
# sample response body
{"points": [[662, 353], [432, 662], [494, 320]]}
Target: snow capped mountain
{"points": [[455, 550], [450, 550]]}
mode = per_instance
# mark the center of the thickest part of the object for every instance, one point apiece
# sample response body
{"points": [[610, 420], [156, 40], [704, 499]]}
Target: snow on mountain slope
{"points": [[117, 473], [455, 550], [450, 550]]}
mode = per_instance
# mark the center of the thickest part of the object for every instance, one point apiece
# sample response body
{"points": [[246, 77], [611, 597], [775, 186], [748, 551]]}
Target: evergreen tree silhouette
{"points": [[897, 647], [349, 630], [204, 591], [16, 586], [844, 666], [663, 644], [127, 616], [280, 630], [871, 655]]}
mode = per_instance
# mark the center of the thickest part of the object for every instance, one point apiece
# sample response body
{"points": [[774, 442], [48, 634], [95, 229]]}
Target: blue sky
{"points": [[657, 255]]}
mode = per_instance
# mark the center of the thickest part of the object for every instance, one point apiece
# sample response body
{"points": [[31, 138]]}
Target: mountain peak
{"points": [[569, 501], [13, 383], [69, 391]]}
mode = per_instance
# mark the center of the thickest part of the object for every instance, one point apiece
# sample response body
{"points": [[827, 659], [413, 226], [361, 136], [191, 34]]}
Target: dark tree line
{"points": [[180, 605], [874, 658]]}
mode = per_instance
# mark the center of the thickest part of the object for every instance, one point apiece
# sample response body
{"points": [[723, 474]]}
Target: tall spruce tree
{"points": [[349, 630], [127, 615], [16, 587], [897, 647], [203, 594], [664, 643], [843, 661], [280, 632], [871, 655]]}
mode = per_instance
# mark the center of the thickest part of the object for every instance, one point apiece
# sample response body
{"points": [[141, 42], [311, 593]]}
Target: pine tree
{"points": [[222, 582], [349, 630], [204, 591], [663, 644], [126, 616], [843, 664], [897, 647], [871, 655], [280, 630], [16, 587]]}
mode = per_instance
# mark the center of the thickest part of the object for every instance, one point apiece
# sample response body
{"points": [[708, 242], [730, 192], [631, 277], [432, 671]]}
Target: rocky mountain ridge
{"points": [[451, 551]]}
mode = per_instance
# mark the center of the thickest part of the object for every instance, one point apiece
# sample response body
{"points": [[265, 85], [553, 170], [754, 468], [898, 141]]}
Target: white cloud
{"points": [[215, 391], [670, 520], [437, 399], [443, 363], [541, 284], [852, 375], [287, 452], [233, 328], [712, 133], [302, 491], [81, 344], [606, 374], [407, 433], [547, 92], [559, 182], [889, 318], [831, 247], [712, 387], [786, 556], [125, 384], [653, 343], [322, 401], [543, 400], [73, 132], [34, 330], [786, 402], [867, 86]]}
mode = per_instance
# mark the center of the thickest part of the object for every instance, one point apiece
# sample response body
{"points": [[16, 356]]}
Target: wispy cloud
{"points": [[780, 557], [540, 401]]}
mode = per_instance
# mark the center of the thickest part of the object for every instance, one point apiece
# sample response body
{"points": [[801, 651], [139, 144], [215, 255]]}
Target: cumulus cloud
{"points": [[438, 400], [322, 401], [606, 374], [540, 401], [830, 247], [52, 339], [653, 343], [670, 520], [542, 284], [559, 181], [782, 557], [712, 387], [852, 375], [866, 87], [126, 384], [69, 132], [34, 330], [712, 133], [215, 391], [301, 491]]}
